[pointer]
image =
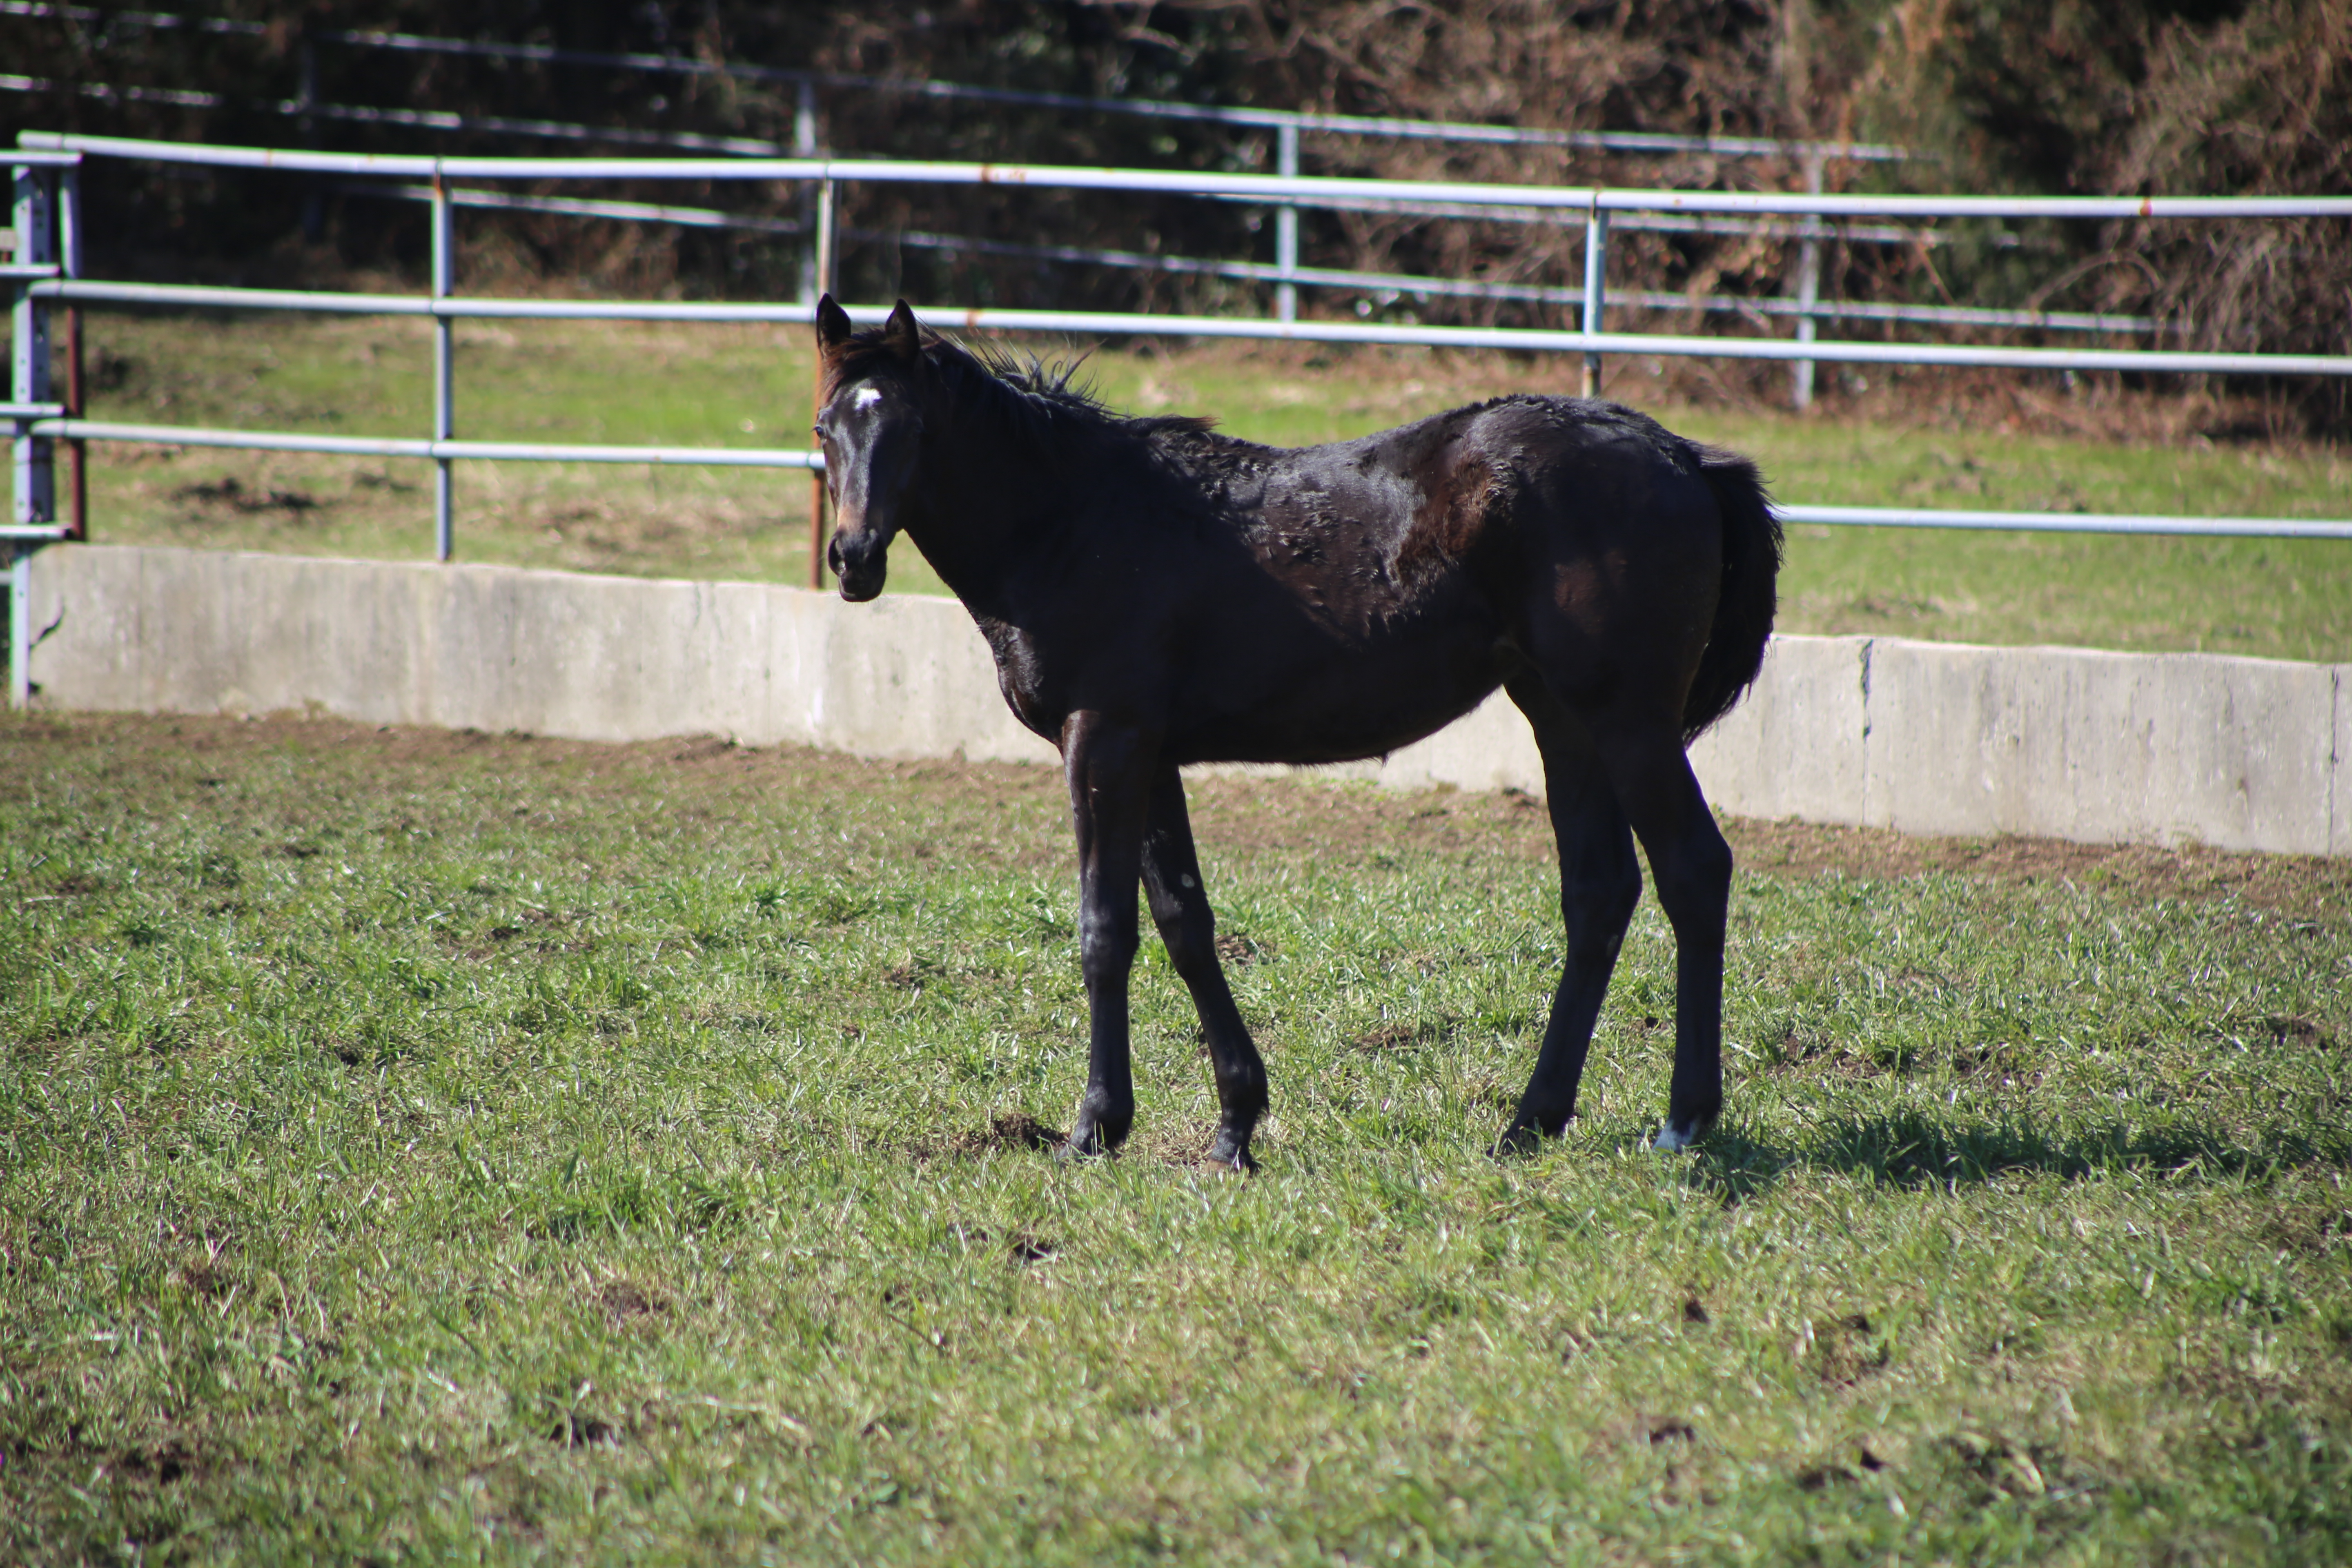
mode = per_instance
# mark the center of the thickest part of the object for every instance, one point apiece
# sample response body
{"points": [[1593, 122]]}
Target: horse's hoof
{"points": [[1222, 1162], [1519, 1141], [1673, 1140]]}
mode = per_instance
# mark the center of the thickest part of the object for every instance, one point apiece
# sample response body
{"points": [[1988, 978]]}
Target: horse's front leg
{"points": [[1179, 906], [1109, 765]]}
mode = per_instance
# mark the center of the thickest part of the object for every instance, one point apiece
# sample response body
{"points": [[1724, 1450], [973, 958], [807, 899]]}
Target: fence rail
{"points": [[1396, 284], [46, 271], [1301, 190], [434, 450], [1109, 324]]}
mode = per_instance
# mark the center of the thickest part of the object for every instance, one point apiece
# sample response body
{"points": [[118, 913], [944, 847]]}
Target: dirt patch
{"points": [[1026, 1246], [998, 813], [1815, 1055], [2293, 1029], [1389, 1037], [1184, 1145], [232, 494], [1818, 1477], [1020, 1131], [1846, 1352], [1019, 1249], [623, 1302], [1239, 950], [162, 1464], [577, 1429], [2002, 1471], [1016, 1131], [2286, 882], [1401, 1034]]}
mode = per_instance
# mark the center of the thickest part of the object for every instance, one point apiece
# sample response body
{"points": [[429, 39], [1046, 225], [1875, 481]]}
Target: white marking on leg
{"points": [[868, 396], [1670, 1142], [1188, 882]]}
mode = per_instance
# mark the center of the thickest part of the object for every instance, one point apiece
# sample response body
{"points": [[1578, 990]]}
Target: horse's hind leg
{"points": [[1600, 882], [1691, 866], [1180, 907]]}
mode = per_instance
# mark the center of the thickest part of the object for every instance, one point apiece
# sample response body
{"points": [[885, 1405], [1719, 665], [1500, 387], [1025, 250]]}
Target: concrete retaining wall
{"points": [[1922, 737]]}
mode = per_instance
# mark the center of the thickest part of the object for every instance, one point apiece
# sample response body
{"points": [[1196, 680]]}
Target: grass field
{"points": [[703, 385], [417, 1146]]}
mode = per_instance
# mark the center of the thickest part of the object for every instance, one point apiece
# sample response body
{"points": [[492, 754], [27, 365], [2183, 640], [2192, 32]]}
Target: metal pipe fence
{"points": [[1287, 125], [1285, 275], [1109, 324], [1393, 284], [1306, 191], [306, 109], [46, 271], [1678, 211]]}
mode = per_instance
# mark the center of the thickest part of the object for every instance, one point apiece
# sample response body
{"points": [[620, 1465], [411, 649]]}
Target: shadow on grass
{"points": [[1912, 1151]]}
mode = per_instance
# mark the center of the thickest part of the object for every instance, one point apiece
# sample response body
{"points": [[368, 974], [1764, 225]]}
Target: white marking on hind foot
{"points": [[1670, 1141]]}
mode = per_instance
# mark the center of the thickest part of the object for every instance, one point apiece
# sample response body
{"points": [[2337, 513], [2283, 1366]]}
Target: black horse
{"points": [[1157, 595]]}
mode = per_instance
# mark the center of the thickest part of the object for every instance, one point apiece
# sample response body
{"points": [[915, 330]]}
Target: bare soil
{"points": [[165, 758]]}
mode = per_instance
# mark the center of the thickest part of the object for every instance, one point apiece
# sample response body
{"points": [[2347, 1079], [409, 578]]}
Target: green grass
{"points": [[699, 386], [420, 1146]]}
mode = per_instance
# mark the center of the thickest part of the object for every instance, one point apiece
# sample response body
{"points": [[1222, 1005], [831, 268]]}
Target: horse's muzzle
{"points": [[861, 571]]}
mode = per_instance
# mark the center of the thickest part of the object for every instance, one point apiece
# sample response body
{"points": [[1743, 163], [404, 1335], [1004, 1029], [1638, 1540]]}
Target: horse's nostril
{"points": [[832, 554]]}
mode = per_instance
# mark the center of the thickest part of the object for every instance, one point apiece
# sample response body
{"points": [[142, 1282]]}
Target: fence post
{"points": [[1808, 284], [445, 269], [1285, 228], [70, 227], [29, 370], [1596, 268], [804, 146], [28, 382], [822, 284]]}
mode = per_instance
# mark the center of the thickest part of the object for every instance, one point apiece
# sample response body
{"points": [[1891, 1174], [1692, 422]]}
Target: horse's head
{"points": [[871, 428]]}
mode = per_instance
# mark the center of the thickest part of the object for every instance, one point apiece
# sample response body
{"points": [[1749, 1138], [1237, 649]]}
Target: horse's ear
{"points": [[901, 336], [833, 325]]}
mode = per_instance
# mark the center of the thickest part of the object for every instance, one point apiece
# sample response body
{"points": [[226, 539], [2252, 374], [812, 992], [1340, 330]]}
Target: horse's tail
{"points": [[1743, 611]]}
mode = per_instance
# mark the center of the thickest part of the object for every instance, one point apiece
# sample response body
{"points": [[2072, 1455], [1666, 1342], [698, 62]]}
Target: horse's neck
{"points": [[972, 572], [990, 513]]}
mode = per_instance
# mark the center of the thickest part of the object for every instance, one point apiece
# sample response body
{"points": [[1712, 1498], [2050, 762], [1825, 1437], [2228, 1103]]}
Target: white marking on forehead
{"points": [[868, 396]]}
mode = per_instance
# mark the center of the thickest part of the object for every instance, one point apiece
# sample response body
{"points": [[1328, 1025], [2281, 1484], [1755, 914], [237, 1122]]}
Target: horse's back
{"points": [[1321, 603], [1578, 534]]}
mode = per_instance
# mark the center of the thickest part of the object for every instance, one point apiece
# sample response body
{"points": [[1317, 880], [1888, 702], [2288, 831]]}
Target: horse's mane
{"points": [[1040, 404]]}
